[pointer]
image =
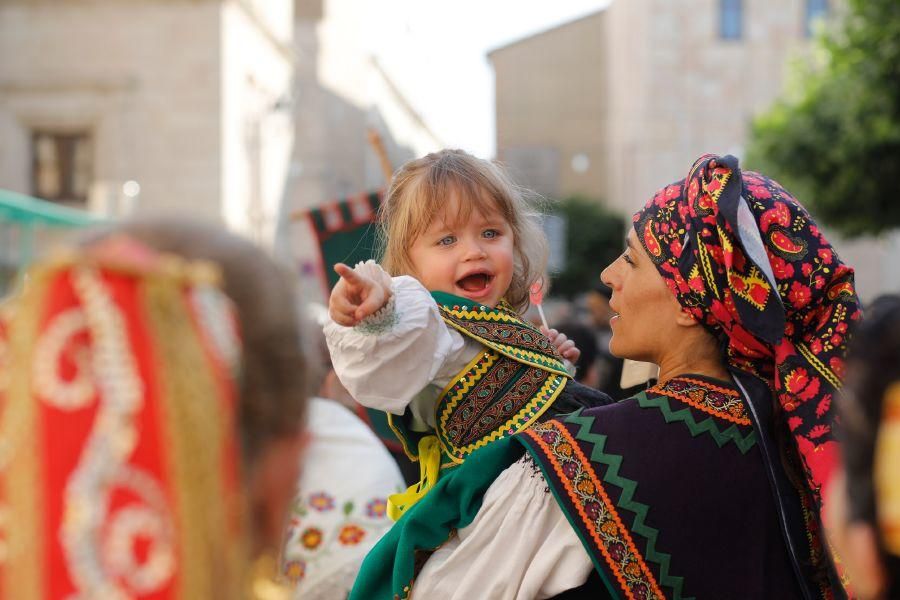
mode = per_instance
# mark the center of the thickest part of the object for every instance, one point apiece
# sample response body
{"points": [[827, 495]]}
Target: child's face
{"points": [[472, 259]]}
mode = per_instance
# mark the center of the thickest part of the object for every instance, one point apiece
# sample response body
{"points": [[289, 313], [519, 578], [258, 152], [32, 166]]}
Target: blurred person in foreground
{"points": [[707, 484], [151, 424], [864, 517]]}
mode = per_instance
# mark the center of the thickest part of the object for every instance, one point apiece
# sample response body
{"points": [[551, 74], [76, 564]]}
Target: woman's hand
{"points": [[356, 296], [563, 344]]}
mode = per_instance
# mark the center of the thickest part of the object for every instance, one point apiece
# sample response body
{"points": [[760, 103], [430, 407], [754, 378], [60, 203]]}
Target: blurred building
{"points": [[343, 98], [612, 104], [149, 105], [343, 93], [552, 103], [615, 104]]}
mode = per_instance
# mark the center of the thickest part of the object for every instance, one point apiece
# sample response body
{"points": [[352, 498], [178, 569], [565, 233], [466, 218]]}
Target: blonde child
{"points": [[433, 336]]}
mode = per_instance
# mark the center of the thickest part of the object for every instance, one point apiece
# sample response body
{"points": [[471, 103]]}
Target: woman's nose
{"points": [[606, 275]]}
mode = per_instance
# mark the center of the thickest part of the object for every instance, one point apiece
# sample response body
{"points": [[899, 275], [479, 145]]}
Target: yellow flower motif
{"points": [[564, 449], [632, 570], [351, 535], [586, 486], [311, 538], [610, 529]]}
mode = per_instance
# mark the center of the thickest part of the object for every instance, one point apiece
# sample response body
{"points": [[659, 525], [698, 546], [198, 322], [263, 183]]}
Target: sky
{"points": [[436, 52]]}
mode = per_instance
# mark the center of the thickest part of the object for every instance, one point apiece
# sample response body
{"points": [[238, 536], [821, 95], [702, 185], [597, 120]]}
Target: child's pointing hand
{"points": [[356, 296]]}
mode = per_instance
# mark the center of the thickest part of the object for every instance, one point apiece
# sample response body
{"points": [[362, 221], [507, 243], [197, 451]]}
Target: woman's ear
{"points": [[684, 318]]}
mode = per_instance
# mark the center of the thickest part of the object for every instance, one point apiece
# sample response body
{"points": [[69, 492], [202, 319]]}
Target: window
{"points": [[61, 166], [815, 10], [731, 19]]}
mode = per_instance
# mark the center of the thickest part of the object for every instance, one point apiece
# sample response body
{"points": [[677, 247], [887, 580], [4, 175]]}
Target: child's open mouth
{"points": [[476, 282]]}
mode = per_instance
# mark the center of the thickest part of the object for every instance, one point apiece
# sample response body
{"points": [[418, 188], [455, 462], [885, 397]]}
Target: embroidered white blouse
{"points": [[403, 356], [519, 546], [340, 511]]}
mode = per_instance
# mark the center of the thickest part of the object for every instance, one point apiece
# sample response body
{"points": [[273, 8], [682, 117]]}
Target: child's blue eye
{"points": [[446, 240], [491, 233]]}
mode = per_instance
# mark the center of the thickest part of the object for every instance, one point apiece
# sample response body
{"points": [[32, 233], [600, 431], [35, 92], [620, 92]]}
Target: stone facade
{"points": [[682, 90], [188, 98], [642, 89], [552, 101], [343, 92]]}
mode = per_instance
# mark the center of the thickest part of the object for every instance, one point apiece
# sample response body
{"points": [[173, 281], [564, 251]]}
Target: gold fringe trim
{"points": [[20, 467], [212, 559]]}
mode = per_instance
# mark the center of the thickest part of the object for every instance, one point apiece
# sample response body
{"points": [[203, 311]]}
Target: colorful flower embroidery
{"points": [[796, 344], [311, 538], [596, 511], [376, 508], [711, 399], [294, 570], [351, 535], [326, 526], [321, 502]]}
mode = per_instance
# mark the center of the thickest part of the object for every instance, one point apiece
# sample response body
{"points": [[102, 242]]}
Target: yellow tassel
{"points": [[430, 468]]}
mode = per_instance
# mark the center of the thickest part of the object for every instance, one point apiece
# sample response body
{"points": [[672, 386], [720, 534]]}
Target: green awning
{"points": [[28, 211]]}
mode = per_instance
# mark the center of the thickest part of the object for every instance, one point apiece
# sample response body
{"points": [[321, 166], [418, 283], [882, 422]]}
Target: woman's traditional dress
{"points": [[666, 492]]}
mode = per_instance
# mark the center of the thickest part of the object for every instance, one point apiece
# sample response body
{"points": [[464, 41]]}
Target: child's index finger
{"points": [[347, 273]]}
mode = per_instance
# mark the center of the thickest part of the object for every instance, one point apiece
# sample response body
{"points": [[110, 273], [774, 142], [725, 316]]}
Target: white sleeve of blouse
{"points": [[519, 546], [393, 355]]}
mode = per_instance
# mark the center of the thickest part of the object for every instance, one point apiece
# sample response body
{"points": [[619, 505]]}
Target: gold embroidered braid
{"points": [[212, 563], [24, 560]]}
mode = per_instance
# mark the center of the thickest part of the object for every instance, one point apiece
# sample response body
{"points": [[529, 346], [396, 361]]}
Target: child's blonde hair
{"points": [[422, 187]]}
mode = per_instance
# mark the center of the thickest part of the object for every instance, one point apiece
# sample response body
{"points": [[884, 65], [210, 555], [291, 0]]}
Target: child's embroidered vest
{"points": [[502, 391]]}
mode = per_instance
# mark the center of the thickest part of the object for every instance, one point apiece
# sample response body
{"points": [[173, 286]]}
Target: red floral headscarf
{"points": [[749, 263], [118, 450]]}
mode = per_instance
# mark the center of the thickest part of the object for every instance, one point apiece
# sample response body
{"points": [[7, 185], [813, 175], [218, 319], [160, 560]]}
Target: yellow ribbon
{"points": [[429, 471]]}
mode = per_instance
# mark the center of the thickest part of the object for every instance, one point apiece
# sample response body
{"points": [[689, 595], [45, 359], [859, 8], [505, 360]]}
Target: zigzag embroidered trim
{"points": [[732, 434], [527, 392], [503, 330]]}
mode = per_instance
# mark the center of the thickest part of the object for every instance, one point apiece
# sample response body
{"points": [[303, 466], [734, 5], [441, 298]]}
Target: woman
{"points": [[150, 424], [864, 512], [708, 484]]}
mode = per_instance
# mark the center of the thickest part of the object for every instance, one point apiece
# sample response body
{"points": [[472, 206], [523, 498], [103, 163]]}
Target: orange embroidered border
{"points": [[651, 580], [660, 389]]}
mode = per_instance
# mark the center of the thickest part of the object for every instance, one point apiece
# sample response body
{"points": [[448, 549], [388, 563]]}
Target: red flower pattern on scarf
{"points": [[794, 337]]}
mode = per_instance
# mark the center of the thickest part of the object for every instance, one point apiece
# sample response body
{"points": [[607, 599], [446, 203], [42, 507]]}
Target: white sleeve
{"points": [[534, 552], [384, 363]]}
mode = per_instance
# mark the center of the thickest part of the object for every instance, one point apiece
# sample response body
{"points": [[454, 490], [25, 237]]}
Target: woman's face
{"points": [[645, 310]]}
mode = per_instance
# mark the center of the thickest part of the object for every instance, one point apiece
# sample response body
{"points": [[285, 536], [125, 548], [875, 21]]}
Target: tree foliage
{"points": [[594, 238], [835, 140]]}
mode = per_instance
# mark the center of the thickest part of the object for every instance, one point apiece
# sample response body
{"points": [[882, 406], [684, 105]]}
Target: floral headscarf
{"points": [[750, 264], [118, 451]]}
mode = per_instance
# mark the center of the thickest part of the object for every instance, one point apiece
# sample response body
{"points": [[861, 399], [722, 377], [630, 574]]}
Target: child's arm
{"points": [[402, 346]]}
